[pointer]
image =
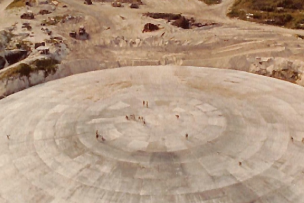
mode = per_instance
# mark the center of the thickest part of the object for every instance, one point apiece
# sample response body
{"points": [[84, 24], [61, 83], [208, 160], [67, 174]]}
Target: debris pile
{"points": [[43, 50], [166, 16], [134, 6], [47, 31], [28, 15], [30, 2], [44, 12], [116, 4], [149, 27], [82, 34], [82, 30], [26, 26], [51, 21], [88, 2], [73, 34], [139, 2], [276, 67], [67, 18], [182, 22], [178, 20], [39, 44]]}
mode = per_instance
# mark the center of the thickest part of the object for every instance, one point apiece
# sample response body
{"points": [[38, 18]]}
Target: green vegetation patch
{"points": [[167, 16], [287, 13], [131, 1], [210, 2], [20, 71], [47, 65]]}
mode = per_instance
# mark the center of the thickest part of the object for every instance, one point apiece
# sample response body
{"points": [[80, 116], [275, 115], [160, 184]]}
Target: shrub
{"points": [[48, 65], [167, 16], [235, 13], [210, 2], [263, 7], [276, 12], [257, 16]]}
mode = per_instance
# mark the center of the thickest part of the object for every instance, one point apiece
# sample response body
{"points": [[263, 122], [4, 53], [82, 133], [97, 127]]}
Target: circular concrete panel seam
{"points": [[165, 134]]}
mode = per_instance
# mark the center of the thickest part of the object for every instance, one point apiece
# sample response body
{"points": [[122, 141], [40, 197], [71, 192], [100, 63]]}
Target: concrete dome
{"points": [[244, 139]]}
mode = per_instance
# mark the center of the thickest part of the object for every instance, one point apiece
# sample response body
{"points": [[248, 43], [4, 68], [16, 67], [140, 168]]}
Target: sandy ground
{"points": [[116, 35]]}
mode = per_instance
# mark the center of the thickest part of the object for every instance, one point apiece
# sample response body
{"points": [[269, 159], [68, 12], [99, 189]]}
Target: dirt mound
{"points": [[27, 15], [44, 12], [134, 5], [149, 27], [182, 23], [88, 2]]}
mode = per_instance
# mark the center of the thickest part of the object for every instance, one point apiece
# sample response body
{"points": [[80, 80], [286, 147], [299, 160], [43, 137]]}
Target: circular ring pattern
{"points": [[154, 134]]}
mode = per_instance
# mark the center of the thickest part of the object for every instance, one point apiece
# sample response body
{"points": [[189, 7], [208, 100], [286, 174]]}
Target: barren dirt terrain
{"points": [[116, 39]]}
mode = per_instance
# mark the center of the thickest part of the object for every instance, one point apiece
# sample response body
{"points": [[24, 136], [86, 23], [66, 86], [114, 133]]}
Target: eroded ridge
{"points": [[206, 135]]}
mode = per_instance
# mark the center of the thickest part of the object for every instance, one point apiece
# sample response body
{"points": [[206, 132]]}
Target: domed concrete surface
{"points": [[244, 140]]}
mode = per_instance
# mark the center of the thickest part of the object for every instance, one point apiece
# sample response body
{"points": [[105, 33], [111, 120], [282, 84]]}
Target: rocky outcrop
{"points": [[10, 85], [279, 68]]}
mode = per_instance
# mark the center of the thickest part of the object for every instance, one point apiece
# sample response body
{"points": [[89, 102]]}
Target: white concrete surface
{"points": [[239, 148]]}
